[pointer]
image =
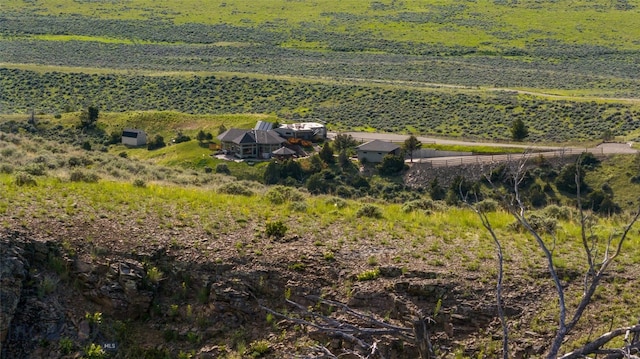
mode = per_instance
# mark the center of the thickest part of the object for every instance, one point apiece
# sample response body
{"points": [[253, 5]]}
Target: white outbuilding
{"points": [[134, 137]]}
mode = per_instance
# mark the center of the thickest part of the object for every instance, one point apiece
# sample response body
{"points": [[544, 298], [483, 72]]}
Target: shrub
{"points": [[235, 189], [259, 348], [223, 168], [66, 345], [539, 223], [345, 191], [589, 161], [276, 229], [154, 275], [25, 179], [35, 169], [94, 351], [337, 202], [370, 274], [436, 191], [557, 212], [423, 204], [139, 182], [6, 168], [369, 210], [157, 142], [566, 180], [79, 176], [181, 137], [298, 206], [86, 145], [391, 165], [282, 194], [487, 205]]}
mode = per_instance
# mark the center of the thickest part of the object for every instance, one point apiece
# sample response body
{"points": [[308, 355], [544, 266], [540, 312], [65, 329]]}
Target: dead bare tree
{"points": [[500, 262], [364, 331], [596, 265]]}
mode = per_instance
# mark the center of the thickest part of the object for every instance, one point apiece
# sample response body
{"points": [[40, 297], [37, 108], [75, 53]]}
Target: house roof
{"points": [[132, 133], [378, 146], [283, 151], [239, 136], [263, 126], [231, 134]]}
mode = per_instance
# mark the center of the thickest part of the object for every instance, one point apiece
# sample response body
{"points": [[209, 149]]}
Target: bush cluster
{"points": [[369, 210], [235, 189]]}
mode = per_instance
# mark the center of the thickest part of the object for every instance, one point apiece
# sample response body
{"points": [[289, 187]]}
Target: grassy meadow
{"points": [[485, 25]]}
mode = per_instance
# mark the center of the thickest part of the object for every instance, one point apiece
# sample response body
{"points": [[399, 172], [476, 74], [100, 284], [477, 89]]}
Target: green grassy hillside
{"points": [[561, 47], [342, 106], [189, 228], [484, 25]]}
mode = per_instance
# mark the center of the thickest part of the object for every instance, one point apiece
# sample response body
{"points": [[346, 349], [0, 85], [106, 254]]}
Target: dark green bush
{"points": [[488, 205], [235, 189], [391, 165], [80, 176], [369, 210], [282, 194], [539, 223], [553, 211], [6, 168], [139, 182], [223, 168], [25, 179], [276, 229]]}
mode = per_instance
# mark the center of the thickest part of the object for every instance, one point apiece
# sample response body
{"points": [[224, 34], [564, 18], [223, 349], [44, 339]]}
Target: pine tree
{"points": [[519, 131], [326, 154]]}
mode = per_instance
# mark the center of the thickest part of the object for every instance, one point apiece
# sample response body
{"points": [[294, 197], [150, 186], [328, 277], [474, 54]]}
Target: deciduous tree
{"points": [[411, 144]]}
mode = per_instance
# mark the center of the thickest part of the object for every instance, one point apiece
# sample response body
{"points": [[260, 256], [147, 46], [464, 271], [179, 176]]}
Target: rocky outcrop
{"points": [[38, 304], [117, 287], [13, 271]]}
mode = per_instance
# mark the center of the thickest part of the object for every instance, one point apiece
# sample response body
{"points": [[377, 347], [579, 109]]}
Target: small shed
{"points": [[283, 153], [134, 137], [374, 151]]}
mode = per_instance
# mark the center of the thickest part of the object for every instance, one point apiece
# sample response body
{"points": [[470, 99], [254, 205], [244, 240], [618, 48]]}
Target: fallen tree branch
{"points": [[362, 337], [595, 345]]}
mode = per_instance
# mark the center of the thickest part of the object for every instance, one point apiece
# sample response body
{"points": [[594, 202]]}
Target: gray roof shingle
{"points": [[378, 146]]}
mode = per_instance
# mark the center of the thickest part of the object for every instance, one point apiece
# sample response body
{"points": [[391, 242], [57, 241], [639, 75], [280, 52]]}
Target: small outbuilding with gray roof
{"points": [[374, 151], [134, 137]]}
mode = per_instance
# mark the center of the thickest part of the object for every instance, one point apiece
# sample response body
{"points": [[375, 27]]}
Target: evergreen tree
{"points": [[89, 116], [343, 142], [201, 137], [519, 131], [326, 154], [272, 173], [315, 164]]}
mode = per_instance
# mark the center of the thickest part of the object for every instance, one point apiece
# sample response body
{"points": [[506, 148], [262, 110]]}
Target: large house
{"points": [[258, 144], [374, 151]]}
